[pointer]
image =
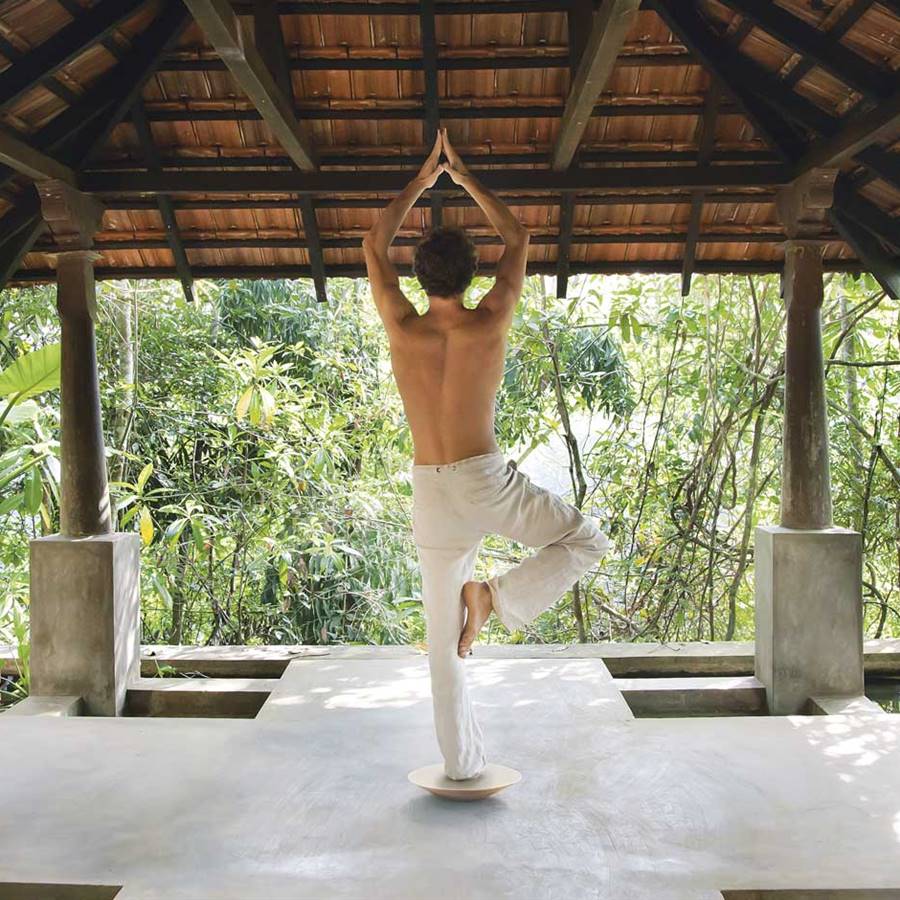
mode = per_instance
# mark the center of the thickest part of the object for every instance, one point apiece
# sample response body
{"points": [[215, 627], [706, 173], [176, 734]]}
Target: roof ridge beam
{"points": [[62, 47], [223, 29], [810, 42], [610, 26]]}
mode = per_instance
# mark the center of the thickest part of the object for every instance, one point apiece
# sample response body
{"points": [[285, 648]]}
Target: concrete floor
{"points": [[310, 800]]}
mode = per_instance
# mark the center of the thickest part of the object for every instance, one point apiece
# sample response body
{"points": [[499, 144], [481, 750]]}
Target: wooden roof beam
{"points": [[884, 268], [737, 73], [270, 42], [352, 270], [164, 202], [460, 201], [610, 27], [324, 183], [853, 136], [706, 143], [29, 161], [847, 19], [432, 96], [814, 44], [579, 22], [63, 47], [222, 28]]}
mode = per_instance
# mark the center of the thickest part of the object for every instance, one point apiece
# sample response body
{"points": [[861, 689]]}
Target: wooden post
{"points": [[73, 219], [806, 480]]}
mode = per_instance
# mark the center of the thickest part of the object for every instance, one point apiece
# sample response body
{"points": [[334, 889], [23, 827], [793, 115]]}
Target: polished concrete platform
{"points": [[311, 798]]}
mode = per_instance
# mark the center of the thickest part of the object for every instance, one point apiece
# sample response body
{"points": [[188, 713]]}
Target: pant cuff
{"points": [[510, 621]]}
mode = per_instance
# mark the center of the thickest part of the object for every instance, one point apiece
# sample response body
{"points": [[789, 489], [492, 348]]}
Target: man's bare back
{"points": [[448, 363], [448, 366]]}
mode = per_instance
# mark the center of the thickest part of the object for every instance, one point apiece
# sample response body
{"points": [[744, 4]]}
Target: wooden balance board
{"points": [[494, 778]]}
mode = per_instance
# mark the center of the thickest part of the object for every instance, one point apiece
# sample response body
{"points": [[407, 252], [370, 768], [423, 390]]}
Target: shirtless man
{"points": [[448, 364]]}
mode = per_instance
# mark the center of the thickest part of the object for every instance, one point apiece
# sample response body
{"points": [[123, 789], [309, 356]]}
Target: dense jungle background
{"points": [[257, 444]]}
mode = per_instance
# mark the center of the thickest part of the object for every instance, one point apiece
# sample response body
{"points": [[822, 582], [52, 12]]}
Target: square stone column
{"points": [[85, 618], [809, 622], [808, 584], [85, 610]]}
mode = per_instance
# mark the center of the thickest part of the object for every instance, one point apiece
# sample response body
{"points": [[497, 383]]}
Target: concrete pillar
{"points": [[808, 581], [85, 609]]}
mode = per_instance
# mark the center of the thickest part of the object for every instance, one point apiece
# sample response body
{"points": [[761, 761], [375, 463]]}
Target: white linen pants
{"points": [[454, 506]]}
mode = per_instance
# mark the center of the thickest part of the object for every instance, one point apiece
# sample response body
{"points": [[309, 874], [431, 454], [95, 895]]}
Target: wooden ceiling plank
{"points": [[60, 49], [223, 30], [164, 202], [610, 26], [814, 44]]}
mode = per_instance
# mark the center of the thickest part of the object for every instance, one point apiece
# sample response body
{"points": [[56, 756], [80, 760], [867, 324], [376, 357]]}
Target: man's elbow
{"points": [[519, 238]]}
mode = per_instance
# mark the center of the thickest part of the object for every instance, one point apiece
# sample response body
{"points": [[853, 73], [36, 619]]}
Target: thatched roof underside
{"points": [[710, 107]]}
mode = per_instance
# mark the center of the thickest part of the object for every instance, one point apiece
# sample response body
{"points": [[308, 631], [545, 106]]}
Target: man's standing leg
{"points": [[444, 571]]}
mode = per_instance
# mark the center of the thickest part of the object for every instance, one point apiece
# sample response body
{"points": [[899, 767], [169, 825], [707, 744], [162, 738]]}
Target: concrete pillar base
{"points": [[809, 633], [85, 618]]}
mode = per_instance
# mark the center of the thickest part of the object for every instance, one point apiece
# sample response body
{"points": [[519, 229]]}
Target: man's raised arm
{"points": [[393, 307], [510, 277]]}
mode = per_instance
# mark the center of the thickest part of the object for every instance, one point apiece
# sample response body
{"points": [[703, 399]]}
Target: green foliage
{"points": [[258, 446]]}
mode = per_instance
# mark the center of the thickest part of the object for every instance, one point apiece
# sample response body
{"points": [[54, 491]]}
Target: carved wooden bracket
{"points": [[802, 205], [73, 216]]}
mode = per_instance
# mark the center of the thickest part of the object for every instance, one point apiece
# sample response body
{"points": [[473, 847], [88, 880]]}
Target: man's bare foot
{"points": [[477, 597]]}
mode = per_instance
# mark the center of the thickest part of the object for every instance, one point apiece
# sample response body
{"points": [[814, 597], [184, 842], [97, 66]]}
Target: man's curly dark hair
{"points": [[445, 262]]}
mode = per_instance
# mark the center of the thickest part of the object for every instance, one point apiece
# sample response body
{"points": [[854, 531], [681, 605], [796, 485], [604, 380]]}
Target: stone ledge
{"points": [[650, 697], [724, 658]]}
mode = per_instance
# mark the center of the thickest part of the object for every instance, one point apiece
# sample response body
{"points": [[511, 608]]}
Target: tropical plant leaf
{"points": [[31, 374]]}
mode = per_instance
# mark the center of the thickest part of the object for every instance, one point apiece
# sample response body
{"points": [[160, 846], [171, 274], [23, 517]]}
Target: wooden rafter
{"points": [[815, 44], [610, 27], [847, 19], [579, 22], [884, 268], [432, 96], [270, 43], [736, 73], [706, 142], [853, 136], [29, 161], [856, 208], [47, 58], [164, 202], [223, 30]]}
